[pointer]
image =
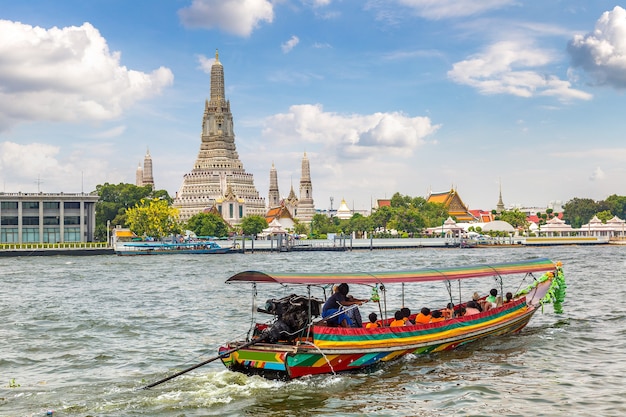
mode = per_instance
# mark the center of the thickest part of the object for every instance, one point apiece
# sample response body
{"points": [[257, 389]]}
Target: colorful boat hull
{"points": [[334, 349]]}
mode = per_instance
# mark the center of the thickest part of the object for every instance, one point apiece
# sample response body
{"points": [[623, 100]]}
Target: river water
{"points": [[80, 335]]}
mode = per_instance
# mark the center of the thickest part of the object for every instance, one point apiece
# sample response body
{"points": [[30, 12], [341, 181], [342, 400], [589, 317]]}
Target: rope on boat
{"points": [[330, 365]]}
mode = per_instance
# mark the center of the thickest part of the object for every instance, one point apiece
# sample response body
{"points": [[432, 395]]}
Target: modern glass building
{"points": [[47, 218]]}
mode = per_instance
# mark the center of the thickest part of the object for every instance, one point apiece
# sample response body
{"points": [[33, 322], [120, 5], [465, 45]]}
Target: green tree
{"points": [[322, 225], [154, 218], [605, 215], [207, 224], [579, 211], [400, 201], [515, 218], [300, 228], [253, 225], [358, 224], [617, 205], [410, 221], [434, 214], [381, 217], [115, 199]]}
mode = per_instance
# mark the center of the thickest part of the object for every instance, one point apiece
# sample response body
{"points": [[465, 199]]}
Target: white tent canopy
{"points": [[274, 228], [498, 225]]}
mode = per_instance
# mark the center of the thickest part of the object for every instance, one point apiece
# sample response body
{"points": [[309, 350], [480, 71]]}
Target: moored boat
{"points": [[298, 342], [169, 248]]}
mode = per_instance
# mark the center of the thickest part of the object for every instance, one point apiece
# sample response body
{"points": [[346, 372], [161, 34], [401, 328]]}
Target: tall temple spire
{"points": [[500, 205], [217, 81], [218, 177], [273, 199], [306, 208], [148, 178]]}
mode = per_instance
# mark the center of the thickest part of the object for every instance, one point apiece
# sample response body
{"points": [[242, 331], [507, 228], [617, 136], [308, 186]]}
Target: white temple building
{"points": [[344, 212]]}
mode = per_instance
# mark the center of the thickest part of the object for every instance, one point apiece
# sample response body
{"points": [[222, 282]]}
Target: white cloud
{"points": [[602, 53], [110, 133], [206, 63], [511, 67], [597, 175], [23, 166], [66, 74], [442, 9], [317, 3], [28, 161], [290, 44], [237, 17], [355, 136]]}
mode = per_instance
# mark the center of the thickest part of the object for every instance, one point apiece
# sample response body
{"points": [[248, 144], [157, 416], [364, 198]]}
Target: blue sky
{"points": [[384, 96]]}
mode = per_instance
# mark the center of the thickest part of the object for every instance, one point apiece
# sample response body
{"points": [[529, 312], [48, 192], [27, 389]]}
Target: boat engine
{"points": [[292, 315]]}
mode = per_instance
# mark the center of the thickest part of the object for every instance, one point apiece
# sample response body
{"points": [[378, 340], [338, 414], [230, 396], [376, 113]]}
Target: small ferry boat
{"points": [[169, 248], [297, 341]]}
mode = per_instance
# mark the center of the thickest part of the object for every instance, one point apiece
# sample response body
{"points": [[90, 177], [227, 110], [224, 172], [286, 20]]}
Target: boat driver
{"points": [[335, 302]]}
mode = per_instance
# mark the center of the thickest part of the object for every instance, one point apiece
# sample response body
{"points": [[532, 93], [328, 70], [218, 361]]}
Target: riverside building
{"points": [[218, 178], [47, 218]]}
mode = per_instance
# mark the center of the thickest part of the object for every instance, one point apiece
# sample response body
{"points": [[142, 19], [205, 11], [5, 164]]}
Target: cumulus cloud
{"points": [[511, 67], [317, 3], [109, 133], [355, 135], [602, 53], [597, 175], [290, 44], [66, 74], [237, 17], [23, 166], [206, 63], [442, 9], [28, 161]]}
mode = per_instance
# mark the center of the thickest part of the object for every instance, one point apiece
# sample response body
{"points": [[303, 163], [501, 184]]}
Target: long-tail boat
{"points": [[298, 342]]}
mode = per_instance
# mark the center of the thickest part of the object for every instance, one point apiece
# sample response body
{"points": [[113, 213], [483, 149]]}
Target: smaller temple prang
{"points": [[306, 207], [273, 197]]}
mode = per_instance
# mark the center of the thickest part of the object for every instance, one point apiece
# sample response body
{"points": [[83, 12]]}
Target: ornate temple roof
{"points": [[454, 204]]}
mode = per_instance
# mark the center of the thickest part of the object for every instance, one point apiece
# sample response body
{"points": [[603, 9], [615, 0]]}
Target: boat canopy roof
{"points": [[417, 275]]}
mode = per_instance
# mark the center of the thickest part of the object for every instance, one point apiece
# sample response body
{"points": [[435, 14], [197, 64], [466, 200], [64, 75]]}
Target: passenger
{"points": [[423, 317], [354, 314], [499, 301], [459, 312], [471, 308], [399, 319], [448, 312], [436, 316], [492, 299], [373, 321], [509, 297], [478, 301], [335, 302], [406, 316]]}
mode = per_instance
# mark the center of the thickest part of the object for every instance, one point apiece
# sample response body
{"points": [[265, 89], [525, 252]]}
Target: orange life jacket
{"points": [[422, 319]]}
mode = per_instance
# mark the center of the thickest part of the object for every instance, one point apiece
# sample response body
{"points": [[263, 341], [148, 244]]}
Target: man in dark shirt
{"points": [[335, 302]]}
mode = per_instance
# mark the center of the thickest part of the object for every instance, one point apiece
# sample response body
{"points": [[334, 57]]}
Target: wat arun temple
{"points": [[218, 180]]}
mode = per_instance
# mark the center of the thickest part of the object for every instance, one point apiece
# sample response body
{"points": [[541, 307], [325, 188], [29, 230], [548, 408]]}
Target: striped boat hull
{"points": [[338, 349], [335, 349]]}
